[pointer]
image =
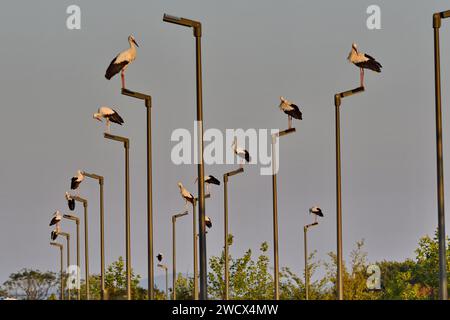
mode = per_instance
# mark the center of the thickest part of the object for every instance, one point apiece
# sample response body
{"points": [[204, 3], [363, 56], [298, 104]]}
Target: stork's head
{"points": [[97, 116], [180, 185], [68, 196], [354, 47], [132, 40], [354, 51]]}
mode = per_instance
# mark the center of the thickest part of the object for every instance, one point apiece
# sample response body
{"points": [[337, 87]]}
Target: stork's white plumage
{"points": [[121, 62], [240, 152], [110, 115], [291, 110], [75, 181], [70, 201], [363, 61], [187, 196], [56, 218]]}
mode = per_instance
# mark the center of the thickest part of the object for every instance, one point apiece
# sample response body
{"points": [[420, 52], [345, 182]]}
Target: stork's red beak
{"points": [[134, 41]]}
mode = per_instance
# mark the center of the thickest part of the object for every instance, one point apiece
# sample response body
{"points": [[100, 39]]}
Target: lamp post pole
{"points": [[443, 294], [174, 253], [126, 144], [60, 246], [67, 236], [226, 244], [165, 268], [101, 182], [148, 105], [77, 222], [86, 242], [275, 137], [337, 104], [197, 26], [305, 237]]}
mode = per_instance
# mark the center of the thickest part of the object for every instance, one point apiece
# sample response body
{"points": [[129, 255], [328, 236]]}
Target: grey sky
{"points": [[253, 52]]}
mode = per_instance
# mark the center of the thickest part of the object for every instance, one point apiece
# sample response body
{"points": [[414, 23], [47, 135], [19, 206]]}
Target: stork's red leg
{"points": [[123, 79], [361, 77], [289, 122]]}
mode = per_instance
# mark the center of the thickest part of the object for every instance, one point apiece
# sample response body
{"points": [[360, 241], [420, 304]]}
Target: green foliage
{"points": [[30, 284]]}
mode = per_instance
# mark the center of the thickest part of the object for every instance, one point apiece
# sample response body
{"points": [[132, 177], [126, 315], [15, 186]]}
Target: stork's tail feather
{"points": [[372, 65], [296, 113]]}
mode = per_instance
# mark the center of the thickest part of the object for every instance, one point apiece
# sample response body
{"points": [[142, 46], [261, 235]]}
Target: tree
{"points": [[31, 284]]}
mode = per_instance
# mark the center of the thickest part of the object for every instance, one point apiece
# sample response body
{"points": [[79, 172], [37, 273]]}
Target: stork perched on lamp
{"points": [[291, 110], [56, 218], [187, 196], [240, 152], [110, 115], [363, 61], [55, 232], [317, 212], [76, 180], [159, 257], [208, 222], [121, 62], [210, 179], [70, 201]]}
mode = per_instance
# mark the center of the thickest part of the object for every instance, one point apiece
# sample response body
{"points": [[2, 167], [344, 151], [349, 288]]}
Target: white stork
{"points": [[291, 110], [110, 115], [187, 196], [159, 257], [208, 222], [317, 212], [240, 152], [209, 180], [55, 232], [75, 181], [122, 60], [70, 201], [363, 61], [56, 218]]}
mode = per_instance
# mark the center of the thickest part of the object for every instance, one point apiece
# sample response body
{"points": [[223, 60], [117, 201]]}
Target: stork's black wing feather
{"points": [[74, 183], [114, 68], [213, 180], [295, 113], [116, 118]]}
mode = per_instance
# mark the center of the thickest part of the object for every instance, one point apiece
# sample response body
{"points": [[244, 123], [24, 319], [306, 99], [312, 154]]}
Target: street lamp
{"points": [[148, 106], [77, 221], [101, 182], [165, 268], [126, 144], [275, 138], [305, 238], [86, 242], [337, 104], [61, 247], [226, 244], [174, 253], [197, 29], [443, 294]]}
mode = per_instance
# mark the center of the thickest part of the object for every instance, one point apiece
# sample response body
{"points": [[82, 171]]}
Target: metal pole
{"points": [[86, 249], [174, 260], [127, 218], [443, 294], [167, 284], [305, 230], [148, 105], [275, 224], [339, 286], [194, 235], [225, 211], [78, 258], [67, 236]]}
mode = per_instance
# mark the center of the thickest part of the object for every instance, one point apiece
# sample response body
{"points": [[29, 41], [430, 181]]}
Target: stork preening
{"points": [[75, 181], [317, 212], [209, 180], [121, 62], [159, 257], [363, 61], [70, 201], [110, 115], [291, 110], [240, 152], [187, 196], [56, 218]]}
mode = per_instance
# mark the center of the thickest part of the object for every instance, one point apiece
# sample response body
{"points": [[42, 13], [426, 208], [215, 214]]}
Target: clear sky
{"points": [[253, 52]]}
